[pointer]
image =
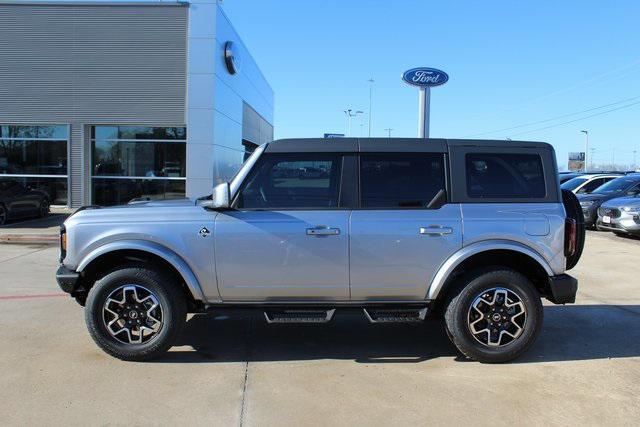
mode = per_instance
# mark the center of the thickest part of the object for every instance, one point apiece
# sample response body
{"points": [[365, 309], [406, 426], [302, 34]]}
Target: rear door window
{"points": [[400, 180], [502, 175], [592, 185]]}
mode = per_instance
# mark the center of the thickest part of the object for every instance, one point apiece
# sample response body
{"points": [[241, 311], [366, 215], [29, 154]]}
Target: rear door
{"points": [[288, 236], [397, 242]]}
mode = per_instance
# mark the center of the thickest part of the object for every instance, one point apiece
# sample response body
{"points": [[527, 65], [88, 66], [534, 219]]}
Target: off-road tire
{"points": [[476, 283], [169, 295], [44, 208], [574, 211], [3, 214]]}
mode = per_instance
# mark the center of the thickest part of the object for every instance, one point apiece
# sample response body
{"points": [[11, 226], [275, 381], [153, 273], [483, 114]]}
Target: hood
{"points": [[155, 204], [622, 201], [593, 197], [179, 210]]}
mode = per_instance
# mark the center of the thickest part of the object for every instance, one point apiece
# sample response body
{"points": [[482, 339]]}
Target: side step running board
{"points": [[299, 315], [389, 315]]}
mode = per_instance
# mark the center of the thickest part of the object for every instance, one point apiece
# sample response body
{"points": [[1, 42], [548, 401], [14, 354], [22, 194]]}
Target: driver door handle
{"points": [[323, 231]]}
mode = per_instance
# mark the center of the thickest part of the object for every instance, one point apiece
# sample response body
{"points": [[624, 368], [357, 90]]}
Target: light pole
{"points": [[634, 159], [389, 132], [586, 148], [350, 114], [371, 82]]}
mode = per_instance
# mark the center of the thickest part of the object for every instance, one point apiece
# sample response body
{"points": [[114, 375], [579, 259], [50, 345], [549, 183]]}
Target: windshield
{"points": [[617, 185], [573, 183]]}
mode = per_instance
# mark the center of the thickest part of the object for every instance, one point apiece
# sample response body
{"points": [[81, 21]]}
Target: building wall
{"points": [[223, 109], [92, 64]]}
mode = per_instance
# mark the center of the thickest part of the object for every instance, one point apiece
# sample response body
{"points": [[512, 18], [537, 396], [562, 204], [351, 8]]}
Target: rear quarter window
{"points": [[502, 175]]}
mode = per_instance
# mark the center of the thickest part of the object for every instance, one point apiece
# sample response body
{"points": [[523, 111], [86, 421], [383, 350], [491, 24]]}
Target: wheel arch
{"points": [[137, 250], [498, 253]]}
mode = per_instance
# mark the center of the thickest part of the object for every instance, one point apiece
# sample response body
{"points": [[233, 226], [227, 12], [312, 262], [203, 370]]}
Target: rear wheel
{"points": [[495, 317], [135, 313]]}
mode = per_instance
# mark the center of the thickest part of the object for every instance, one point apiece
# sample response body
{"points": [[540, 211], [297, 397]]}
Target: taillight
{"points": [[570, 236]]}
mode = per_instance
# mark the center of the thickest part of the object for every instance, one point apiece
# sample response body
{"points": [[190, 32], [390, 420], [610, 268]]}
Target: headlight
{"points": [[586, 204], [631, 208]]}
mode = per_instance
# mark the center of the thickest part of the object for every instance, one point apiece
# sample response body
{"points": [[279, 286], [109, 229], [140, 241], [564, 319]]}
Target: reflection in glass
{"points": [[38, 151], [144, 159], [155, 153], [107, 192], [55, 188]]}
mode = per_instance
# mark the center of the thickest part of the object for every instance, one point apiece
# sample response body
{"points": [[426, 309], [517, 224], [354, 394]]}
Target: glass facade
{"points": [[36, 157], [137, 162]]}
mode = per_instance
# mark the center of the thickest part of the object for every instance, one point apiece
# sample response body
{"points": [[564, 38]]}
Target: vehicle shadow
{"points": [[51, 220], [580, 332]]}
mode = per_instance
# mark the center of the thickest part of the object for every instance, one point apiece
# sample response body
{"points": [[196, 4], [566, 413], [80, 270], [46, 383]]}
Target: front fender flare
{"points": [[454, 260], [154, 248]]}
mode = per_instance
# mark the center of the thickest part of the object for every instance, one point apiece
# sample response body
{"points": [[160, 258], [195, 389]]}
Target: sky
{"points": [[527, 65]]}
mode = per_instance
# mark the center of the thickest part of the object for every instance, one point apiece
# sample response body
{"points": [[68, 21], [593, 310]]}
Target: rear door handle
{"points": [[323, 231], [436, 230]]}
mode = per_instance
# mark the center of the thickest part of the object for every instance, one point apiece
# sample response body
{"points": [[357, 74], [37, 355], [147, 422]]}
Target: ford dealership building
{"points": [[102, 102]]}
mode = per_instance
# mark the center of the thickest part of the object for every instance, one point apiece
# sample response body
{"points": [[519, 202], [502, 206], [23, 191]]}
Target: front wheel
{"points": [[135, 313], [495, 317], [44, 208]]}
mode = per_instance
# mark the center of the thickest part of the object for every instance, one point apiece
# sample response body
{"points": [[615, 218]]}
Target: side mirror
{"points": [[221, 198]]}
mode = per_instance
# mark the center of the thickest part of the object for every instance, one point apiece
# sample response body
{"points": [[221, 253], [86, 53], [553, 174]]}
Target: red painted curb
{"points": [[8, 297]]}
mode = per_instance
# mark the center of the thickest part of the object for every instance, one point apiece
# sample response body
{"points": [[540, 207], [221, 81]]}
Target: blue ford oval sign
{"points": [[425, 77]]}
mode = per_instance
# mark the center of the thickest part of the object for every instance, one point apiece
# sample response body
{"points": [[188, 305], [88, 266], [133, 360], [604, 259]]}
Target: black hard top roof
{"points": [[332, 145]]}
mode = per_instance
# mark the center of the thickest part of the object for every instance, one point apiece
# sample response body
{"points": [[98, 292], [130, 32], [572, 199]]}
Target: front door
{"points": [[287, 237], [397, 241]]}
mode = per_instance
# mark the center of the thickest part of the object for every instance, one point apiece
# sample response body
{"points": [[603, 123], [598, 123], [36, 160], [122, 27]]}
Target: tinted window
{"points": [[592, 185], [302, 180], [573, 183], [499, 175], [400, 180], [617, 185]]}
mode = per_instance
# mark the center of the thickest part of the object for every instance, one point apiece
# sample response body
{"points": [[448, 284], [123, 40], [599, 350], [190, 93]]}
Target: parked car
{"points": [[382, 233], [566, 176], [585, 184], [621, 216], [627, 185], [18, 201]]}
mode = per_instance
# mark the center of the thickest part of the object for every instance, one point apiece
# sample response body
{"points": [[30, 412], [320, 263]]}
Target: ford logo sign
{"points": [[425, 77]]}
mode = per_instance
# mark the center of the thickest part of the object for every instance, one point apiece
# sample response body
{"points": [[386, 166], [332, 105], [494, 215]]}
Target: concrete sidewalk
{"points": [[38, 231]]}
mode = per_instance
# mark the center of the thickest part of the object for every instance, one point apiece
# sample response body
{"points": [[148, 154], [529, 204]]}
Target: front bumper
{"points": [[628, 223], [563, 289], [67, 279]]}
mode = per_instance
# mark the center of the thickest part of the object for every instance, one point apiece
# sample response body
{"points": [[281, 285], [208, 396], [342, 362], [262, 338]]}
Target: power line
{"points": [[577, 120], [596, 80], [553, 118]]}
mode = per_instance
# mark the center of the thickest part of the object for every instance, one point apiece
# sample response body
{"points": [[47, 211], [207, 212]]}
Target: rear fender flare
{"points": [[437, 284]]}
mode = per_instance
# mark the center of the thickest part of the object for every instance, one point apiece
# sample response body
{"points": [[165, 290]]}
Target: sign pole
{"points": [[424, 104], [424, 78]]}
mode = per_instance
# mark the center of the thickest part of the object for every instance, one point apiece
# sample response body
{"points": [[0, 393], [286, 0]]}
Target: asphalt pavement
{"points": [[233, 369]]}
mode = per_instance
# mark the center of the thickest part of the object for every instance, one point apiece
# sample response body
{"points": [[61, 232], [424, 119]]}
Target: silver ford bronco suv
{"points": [[474, 231]]}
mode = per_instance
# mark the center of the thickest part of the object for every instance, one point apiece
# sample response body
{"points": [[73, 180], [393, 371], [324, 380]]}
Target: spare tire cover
{"points": [[574, 211]]}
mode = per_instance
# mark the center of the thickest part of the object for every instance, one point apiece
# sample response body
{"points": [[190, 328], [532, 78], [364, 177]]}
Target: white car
{"points": [[585, 184]]}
